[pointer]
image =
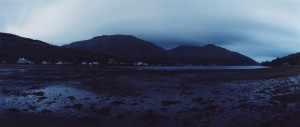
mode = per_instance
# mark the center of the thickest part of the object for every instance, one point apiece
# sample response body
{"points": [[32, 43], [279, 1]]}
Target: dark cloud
{"points": [[261, 29]]}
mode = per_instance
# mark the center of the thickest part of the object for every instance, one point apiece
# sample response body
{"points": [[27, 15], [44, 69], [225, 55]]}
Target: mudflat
{"points": [[93, 96]]}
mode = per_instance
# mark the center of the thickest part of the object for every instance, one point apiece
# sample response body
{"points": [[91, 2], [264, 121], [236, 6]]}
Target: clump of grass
{"points": [[90, 120], [41, 98], [12, 92], [197, 100], [289, 98], [105, 111], [245, 105], [72, 98], [32, 107], [169, 102], [77, 106], [14, 110], [34, 87], [46, 111], [40, 93], [117, 103], [149, 117]]}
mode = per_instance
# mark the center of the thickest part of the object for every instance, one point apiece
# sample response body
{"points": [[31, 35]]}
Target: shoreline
{"points": [[93, 96]]}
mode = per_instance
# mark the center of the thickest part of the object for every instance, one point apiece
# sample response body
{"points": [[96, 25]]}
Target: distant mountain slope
{"points": [[293, 59], [130, 47], [210, 54], [122, 46], [13, 47]]}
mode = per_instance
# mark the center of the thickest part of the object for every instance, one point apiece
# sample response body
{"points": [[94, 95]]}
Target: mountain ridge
{"points": [[122, 48], [210, 54], [112, 44], [292, 59], [13, 47]]}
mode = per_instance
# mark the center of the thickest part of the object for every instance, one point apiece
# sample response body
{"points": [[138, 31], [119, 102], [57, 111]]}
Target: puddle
{"points": [[55, 98]]}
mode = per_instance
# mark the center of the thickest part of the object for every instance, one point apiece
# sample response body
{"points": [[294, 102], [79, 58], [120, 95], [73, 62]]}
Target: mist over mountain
{"points": [[13, 47]]}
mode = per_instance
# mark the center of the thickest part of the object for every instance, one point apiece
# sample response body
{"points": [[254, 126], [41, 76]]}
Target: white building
{"points": [[112, 61], [59, 63], [24, 61], [140, 64], [4, 62], [90, 63], [84, 63], [46, 62], [95, 63]]}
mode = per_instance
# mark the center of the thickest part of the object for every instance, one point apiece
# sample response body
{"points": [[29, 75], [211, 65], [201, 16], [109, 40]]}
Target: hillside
{"points": [[124, 47], [293, 59], [13, 47], [210, 54]]}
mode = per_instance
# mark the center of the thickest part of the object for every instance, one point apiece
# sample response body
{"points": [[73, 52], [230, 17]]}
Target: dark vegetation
{"points": [[13, 47], [293, 59], [124, 50], [169, 102], [210, 54], [46, 119]]}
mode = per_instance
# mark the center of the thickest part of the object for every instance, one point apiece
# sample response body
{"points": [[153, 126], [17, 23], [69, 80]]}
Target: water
{"points": [[193, 67]]}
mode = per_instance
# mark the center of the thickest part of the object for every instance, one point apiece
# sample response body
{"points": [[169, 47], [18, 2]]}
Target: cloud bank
{"points": [[261, 29]]}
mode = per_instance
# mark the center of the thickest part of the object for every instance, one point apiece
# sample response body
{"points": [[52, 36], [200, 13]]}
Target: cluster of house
{"points": [[57, 63], [23, 60], [89, 63], [140, 64]]}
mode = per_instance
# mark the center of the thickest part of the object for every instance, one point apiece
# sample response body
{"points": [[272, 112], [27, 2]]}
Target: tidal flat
{"points": [[93, 96]]}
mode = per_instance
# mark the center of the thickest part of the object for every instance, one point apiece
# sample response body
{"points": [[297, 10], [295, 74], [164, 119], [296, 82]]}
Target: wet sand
{"points": [[76, 96]]}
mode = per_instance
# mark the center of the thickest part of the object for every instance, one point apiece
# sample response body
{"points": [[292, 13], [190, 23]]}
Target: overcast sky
{"points": [[260, 29]]}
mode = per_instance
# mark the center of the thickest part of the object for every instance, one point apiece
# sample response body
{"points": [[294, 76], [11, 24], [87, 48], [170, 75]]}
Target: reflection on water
{"points": [[193, 67]]}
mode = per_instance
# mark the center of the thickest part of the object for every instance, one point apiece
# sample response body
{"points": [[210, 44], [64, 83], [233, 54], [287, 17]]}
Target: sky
{"points": [[260, 29]]}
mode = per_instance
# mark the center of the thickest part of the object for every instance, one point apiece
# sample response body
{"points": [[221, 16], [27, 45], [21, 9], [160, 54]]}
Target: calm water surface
{"points": [[193, 67]]}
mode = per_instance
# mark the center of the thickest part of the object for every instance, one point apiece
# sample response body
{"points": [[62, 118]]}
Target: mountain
{"points": [[122, 48], [130, 48], [125, 47], [210, 54], [13, 47], [293, 59]]}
